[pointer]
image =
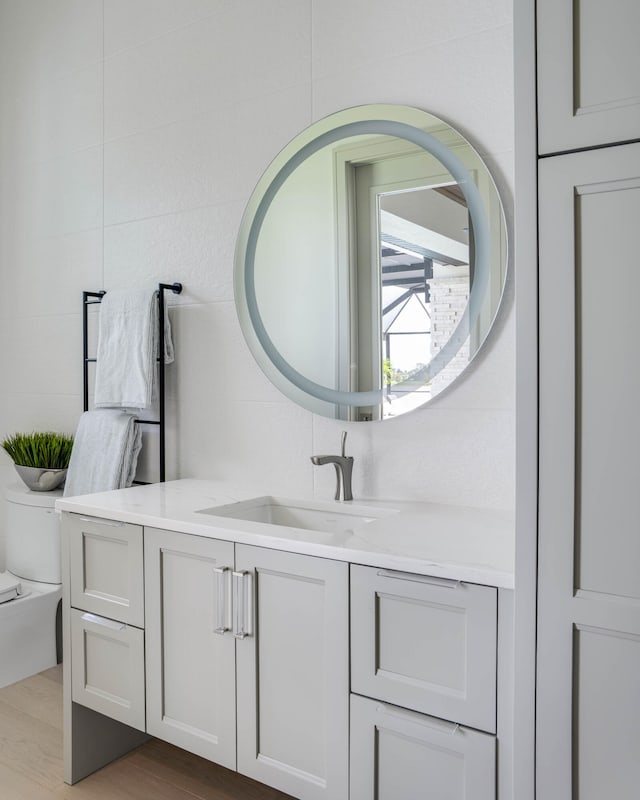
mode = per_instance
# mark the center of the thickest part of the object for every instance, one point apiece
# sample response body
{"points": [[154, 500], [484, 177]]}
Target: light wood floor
{"points": [[31, 758]]}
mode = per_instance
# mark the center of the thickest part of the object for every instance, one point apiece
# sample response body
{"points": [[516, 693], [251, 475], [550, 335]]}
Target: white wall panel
{"points": [[249, 444], [466, 81], [221, 363], [127, 23], [200, 243], [205, 160], [39, 341], [59, 411], [54, 38], [66, 196], [473, 449], [368, 31], [245, 51], [52, 271]]}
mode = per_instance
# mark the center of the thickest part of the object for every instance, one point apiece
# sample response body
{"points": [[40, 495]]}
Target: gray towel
{"points": [[105, 452], [128, 349]]}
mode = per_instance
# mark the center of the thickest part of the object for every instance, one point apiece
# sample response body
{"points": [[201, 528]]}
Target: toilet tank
{"points": [[32, 538]]}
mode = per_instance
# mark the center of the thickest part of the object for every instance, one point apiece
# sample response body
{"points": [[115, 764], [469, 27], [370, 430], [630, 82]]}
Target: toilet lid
{"points": [[18, 493], [10, 587]]}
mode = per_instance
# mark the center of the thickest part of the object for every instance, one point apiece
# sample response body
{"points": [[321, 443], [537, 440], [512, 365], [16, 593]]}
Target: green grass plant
{"points": [[47, 450]]}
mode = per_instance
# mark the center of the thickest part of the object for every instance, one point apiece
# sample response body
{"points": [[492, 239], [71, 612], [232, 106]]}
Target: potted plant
{"points": [[40, 458]]}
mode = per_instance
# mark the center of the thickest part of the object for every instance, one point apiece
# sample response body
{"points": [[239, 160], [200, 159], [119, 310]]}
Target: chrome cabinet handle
{"points": [[223, 605], [106, 623], [243, 604], [449, 728], [446, 583]]}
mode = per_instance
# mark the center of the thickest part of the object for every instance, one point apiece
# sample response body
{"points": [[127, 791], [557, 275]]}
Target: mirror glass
{"points": [[370, 262]]}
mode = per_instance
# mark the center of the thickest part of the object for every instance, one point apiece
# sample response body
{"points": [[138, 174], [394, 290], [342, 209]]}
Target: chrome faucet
{"points": [[344, 468]]}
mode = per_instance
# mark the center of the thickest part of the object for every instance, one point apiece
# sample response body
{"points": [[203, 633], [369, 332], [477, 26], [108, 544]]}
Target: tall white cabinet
{"points": [[588, 695]]}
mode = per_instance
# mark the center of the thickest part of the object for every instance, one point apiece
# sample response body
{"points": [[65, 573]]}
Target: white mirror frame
{"points": [[385, 120]]}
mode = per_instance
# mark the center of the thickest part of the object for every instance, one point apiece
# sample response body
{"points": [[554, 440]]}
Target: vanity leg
{"points": [[92, 740]]}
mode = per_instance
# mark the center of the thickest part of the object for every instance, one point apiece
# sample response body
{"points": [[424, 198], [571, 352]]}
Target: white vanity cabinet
{"points": [[428, 645], [260, 631], [324, 679]]}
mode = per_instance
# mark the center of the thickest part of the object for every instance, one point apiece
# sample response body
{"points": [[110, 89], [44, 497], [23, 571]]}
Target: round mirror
{"points": [[370, 262]]}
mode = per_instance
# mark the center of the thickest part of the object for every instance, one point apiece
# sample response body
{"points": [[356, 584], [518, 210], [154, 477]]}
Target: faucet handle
{"points": [[344, 442]]}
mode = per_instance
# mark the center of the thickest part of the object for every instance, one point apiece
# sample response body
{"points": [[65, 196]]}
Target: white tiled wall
{"points": [[132, 134]]}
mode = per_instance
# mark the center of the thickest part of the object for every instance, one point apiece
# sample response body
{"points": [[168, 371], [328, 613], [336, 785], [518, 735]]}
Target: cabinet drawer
{"points": [[106, 568], [402, 755], [107, 667], [427, 644]]}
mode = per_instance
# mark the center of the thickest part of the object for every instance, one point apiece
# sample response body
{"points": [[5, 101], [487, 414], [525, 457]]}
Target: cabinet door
{"points": [[190, 667], [588, 73], [107, 667], [425, 643], [106, 568], [401, 755], [293, 675], [588, 707]]}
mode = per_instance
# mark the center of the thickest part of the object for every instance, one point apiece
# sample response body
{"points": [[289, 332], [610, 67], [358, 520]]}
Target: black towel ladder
{"points": [[91, 298]]}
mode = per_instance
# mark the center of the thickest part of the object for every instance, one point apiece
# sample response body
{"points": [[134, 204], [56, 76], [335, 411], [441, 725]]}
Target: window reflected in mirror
{"points": [[424, 289]]}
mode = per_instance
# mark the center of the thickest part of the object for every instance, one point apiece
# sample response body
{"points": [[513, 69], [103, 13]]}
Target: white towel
{"points": [[105, 452], [128, 349]]}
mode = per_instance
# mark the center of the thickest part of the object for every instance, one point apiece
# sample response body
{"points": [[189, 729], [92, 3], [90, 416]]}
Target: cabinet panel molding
{"points": [[425, 644], [607, 713], [293, 675], [588, 73], [190, 668], [401, 755], [588, 581], [108, 667], [106, 568]]}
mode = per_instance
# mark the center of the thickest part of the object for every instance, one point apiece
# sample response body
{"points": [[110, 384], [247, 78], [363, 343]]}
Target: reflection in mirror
{"points": [[370, 266], [425, 285]]}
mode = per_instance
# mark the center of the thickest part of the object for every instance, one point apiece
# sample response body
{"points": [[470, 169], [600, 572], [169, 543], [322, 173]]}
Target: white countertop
{"points": [[461, 543]]}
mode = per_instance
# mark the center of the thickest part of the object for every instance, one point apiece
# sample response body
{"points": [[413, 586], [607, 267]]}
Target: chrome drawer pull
{"points": [[111, 523], [106, 623], [445, 583], [441, 725], [223, 581]]}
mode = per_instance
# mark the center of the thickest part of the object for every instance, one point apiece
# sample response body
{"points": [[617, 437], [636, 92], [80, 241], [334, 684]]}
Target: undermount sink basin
{"points": [[328, 517]]}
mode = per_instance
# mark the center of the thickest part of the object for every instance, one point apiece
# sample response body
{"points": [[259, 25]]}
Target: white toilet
{"points": [[30, 589]]}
